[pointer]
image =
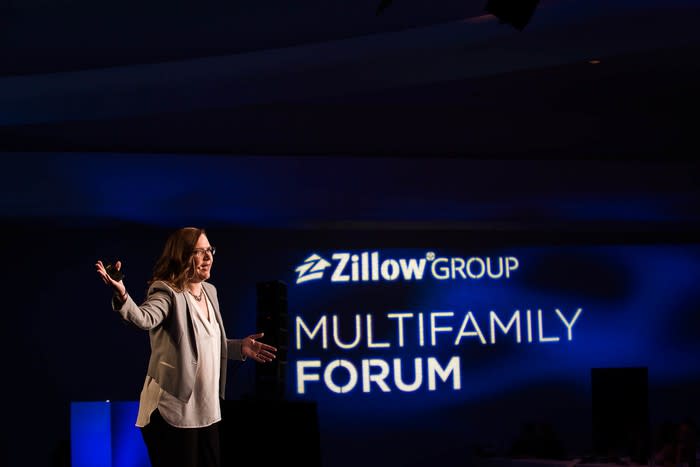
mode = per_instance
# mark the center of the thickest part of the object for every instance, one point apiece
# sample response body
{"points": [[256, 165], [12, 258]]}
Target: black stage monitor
{"points": [[620, 409]]}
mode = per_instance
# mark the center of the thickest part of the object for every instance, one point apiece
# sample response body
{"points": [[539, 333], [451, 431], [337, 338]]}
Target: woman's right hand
{"points": [[118, 286]]}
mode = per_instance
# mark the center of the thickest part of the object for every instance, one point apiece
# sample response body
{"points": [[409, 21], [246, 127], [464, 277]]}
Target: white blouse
{"points": [[202, 409]]}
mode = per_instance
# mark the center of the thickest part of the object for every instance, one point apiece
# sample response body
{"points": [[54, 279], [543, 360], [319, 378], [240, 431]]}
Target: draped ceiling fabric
{"points": [[238, 89]]}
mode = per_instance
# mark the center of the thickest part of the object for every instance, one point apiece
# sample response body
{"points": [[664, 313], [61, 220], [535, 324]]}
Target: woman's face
{"points": [[203, 259]]}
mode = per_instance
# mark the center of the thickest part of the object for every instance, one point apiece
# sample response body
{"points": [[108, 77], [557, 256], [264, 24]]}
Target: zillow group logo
{"points": [[312, 268], [369, 267]]}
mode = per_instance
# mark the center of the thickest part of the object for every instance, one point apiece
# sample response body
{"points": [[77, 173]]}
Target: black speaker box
{"points": [[273, 320], [620, 413], [269, 433], [517, 13]]}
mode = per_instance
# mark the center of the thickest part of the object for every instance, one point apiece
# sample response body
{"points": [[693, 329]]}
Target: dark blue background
{"points": [[639, 306], [637, 291], [285, 128]]}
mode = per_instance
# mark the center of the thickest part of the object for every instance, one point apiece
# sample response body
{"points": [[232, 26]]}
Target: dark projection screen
{"points": [[450, 351], [416, 348]]}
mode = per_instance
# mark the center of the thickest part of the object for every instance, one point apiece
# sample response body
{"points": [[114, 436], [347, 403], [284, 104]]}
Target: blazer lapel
{"points": [[208, 289]]}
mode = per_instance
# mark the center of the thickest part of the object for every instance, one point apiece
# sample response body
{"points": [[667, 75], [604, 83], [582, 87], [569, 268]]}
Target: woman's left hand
{"points": [[259, 351]]}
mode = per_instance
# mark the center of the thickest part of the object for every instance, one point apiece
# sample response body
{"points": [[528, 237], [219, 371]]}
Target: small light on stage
{"points": [[594, 62]]}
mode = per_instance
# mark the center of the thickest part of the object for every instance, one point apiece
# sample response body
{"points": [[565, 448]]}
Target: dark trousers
{"points": [[169, 446]]}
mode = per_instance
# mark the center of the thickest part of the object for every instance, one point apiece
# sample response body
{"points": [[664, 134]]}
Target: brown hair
{"points": [[176, 264]]}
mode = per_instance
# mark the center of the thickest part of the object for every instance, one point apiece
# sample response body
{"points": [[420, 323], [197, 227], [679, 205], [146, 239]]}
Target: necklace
{"points": [[197, 297]]}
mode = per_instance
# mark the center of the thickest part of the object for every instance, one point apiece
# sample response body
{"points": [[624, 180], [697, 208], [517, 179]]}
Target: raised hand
{"points": [[118, 286]]}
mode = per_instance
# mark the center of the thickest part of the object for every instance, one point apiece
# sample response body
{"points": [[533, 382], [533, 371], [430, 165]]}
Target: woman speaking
{"points": [[179, 409]]}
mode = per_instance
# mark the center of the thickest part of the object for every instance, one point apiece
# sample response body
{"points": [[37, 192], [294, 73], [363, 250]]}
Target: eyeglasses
{"points": [[199, 252]]}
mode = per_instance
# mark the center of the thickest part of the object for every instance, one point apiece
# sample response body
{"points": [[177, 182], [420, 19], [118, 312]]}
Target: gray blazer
{"points": [[174, 355]]}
